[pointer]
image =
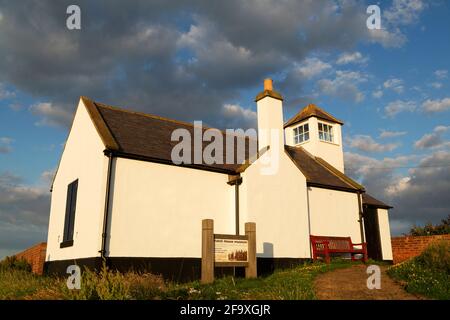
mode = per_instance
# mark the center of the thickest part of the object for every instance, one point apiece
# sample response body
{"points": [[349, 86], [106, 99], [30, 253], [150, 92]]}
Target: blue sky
{"points": [[190, 61]]}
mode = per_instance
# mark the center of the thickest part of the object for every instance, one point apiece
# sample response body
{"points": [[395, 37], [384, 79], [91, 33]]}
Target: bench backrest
{"points": [[334, 243]]}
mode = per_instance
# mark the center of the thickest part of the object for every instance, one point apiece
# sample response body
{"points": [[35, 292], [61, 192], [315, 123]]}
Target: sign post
{"points": [[250, 232], [225, 250], [207, 251]]}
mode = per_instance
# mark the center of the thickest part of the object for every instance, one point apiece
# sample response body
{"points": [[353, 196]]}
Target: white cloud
{"points": [[312, 67], [391, 134], [50, 114], [418, 196], [400, 14], [436, 105], [395, 107], [394, 84], [239, 117], [4, 93], [368, 144], [47, 177], [377, 94], [387, 39], [351, 57], [441, 74], [24, 212], [5, 145], [433, 140], [344, 85], [21, 203], [397, 186], [6, 140], [436, 85], [404, 12]]}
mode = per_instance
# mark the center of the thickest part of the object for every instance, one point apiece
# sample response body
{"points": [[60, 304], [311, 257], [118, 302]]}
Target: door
{"points": [[372, 232]]}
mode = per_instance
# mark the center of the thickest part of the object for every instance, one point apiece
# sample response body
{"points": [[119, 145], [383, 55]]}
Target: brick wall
{"points": [[404, 248], [35, 256]]}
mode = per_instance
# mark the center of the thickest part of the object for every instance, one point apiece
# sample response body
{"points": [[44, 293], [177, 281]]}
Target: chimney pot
{"points": [[268, 84]]}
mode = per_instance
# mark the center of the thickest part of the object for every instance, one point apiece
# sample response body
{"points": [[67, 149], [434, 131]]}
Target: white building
{"points": [[118, 196]]}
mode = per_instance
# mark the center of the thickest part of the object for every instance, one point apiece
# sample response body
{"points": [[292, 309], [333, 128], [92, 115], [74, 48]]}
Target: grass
{"points": [[21, 284], [427, 274], [289, 284]]}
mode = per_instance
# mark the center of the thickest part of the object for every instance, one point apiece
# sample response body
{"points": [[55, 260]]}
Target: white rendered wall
{"points": [[270, 121], [385, 233], [334, 213], [278, 205], [329, 151], [82, 159], [157, 209]]}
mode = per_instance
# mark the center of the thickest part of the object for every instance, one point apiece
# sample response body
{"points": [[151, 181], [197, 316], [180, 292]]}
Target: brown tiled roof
{"points": [[318, 173], [268, 93], [311, 110], [371, 201], [147, 137]]}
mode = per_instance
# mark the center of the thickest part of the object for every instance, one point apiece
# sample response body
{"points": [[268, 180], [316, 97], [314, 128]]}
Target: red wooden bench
{"points": [[324, 245]]}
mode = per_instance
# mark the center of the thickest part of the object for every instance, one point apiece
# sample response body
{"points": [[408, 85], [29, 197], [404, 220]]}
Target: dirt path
{"points": [[350, 284]]}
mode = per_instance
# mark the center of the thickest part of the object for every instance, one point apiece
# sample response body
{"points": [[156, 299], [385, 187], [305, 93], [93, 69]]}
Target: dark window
{"points": [[71, 203]]}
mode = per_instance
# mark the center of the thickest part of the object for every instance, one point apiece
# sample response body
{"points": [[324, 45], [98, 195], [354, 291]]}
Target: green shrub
{"points": [[12, 263], [427, 274], [436, 257], [429, 229]]}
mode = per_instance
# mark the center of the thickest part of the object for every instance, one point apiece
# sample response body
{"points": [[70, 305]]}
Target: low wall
{"points": [[407, 247], [35, 256]]}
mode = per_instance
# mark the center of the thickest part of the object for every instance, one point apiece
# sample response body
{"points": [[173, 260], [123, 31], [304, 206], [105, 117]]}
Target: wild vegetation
{"points": [[429, 229], [427, 274], [296, 283]]}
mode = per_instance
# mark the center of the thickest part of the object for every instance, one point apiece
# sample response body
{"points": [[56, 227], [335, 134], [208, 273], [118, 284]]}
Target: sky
{"points": [[206, 60]]}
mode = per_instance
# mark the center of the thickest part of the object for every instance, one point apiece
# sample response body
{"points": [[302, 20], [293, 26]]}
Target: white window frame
{"points": [[301, 133], [326, 132]]}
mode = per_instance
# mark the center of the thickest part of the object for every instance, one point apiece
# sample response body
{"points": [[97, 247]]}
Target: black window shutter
{"points": [[73, 203], [69, 222]]}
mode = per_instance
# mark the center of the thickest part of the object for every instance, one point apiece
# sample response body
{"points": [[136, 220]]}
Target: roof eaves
{"points": [[339, 174], [269, 93], [248, 162], [286, 150], [100, 124]]}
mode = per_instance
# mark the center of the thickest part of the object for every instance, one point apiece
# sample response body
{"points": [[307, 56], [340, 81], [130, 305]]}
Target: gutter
{"points": [[360, 220], [235, 180], [125, 155], [102, 251]]}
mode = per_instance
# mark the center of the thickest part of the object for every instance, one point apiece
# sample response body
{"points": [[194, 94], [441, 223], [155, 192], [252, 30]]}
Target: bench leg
{"points": [[364, 246], [326, 255]]}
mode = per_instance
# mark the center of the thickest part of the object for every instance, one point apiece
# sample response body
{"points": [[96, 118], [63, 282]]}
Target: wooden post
{"points": [[250, 232], [207, 251], [326, 253]]}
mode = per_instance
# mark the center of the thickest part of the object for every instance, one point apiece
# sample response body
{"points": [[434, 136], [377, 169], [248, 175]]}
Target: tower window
{"points": [[326, 132], [301, 134]]}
